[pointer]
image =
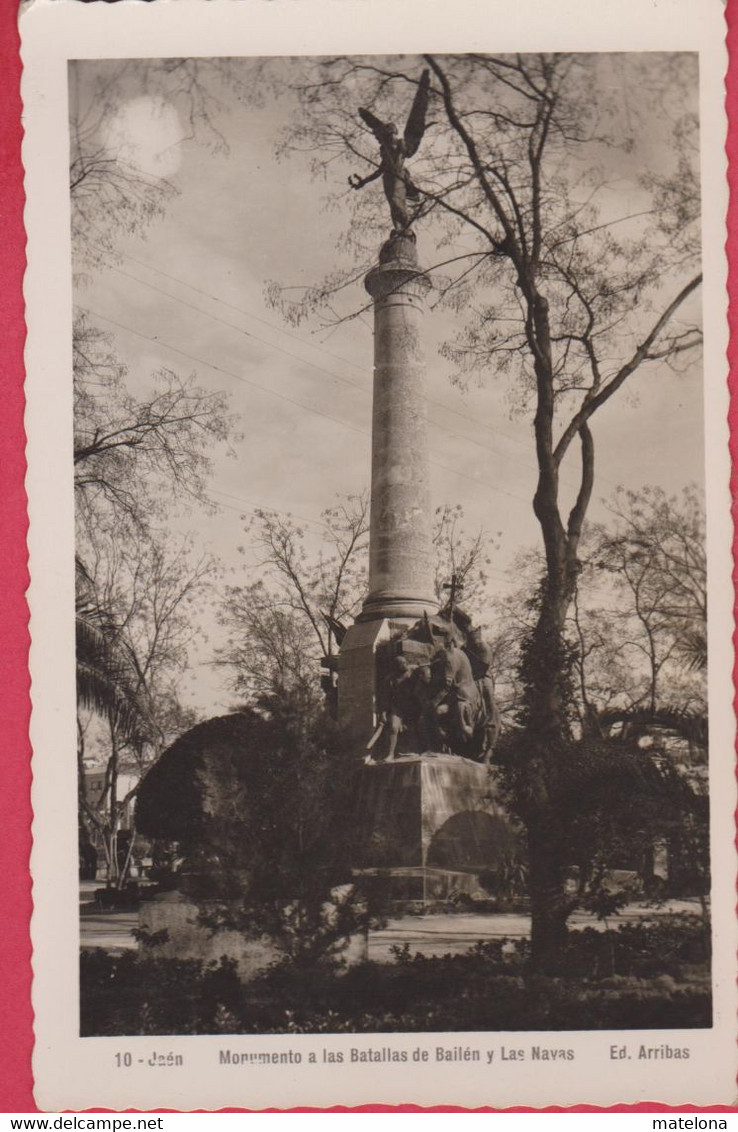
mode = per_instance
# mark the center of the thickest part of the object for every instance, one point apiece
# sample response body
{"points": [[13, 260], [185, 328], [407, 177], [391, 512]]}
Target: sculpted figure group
{"points": [[438, 693]]}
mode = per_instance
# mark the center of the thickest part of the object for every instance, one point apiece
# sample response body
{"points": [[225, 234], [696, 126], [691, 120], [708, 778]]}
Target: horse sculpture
{"points": [[438, 692]]}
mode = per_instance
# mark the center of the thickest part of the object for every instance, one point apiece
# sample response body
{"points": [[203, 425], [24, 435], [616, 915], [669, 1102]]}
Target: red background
{"points": [[16, 1016]]}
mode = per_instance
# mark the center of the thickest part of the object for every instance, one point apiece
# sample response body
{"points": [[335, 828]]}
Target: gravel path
{"points": [[436, 934]]}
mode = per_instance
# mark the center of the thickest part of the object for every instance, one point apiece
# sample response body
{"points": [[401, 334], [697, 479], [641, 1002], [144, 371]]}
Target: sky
{"points": [[188, 293]]}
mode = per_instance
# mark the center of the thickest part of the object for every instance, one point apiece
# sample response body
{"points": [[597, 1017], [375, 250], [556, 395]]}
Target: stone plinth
{"points": [[430, 824], [357, 681], [186, 938], [358, 678], [400, 550]]}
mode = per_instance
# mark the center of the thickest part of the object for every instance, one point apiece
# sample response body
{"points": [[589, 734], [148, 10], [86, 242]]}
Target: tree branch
{"points": [[591, 404]]}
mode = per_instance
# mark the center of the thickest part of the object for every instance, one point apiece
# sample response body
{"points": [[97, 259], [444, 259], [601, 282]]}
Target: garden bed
{"points": [[652, 976]]}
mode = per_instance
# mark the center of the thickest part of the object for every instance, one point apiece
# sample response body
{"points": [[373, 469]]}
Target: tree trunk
{"points": [[123, 875], [546, 672], [546, 668], [549, 904], [113, 809]]}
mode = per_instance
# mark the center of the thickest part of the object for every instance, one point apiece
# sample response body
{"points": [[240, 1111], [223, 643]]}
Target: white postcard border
{"points": [[72, 1072]]}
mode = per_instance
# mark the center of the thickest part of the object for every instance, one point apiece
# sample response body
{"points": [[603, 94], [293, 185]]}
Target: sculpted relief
{"points": [[436, 692]]}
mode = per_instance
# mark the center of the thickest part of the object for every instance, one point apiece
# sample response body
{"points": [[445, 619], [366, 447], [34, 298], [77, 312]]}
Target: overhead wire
{"points": [[306, 361], [255, 508], [314, 346], [283, 397], [219, 369], [243, 311]]}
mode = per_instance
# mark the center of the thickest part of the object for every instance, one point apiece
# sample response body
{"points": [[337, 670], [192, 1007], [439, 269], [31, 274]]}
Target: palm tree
{"points": [[105, 680], [106, 685]]}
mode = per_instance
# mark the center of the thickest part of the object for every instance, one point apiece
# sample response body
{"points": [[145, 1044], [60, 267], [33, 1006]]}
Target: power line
{"points": [[220, 369], [283, 397], [306, 361], [249, 314], [256, 507], [243, 311], [241, 330]]}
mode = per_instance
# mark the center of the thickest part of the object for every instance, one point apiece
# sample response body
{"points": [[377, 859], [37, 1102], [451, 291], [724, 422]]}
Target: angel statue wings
{"points": [[398, 187]]}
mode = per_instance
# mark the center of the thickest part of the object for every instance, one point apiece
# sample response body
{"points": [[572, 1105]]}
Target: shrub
{"points": [[659, 946], [127, 995], [265, 843], [644, 976]]}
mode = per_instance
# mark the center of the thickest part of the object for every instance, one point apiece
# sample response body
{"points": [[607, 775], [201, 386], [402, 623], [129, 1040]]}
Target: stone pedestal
{"points": [[429, 824], [357, 682], [358, 678]]}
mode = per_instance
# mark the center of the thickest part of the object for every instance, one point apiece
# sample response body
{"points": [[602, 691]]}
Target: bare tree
{"points": [[656, 558], [149, 594], [281, 626], [271, 650], [461, 556], [605, 673], [637, 622], [113, 192], [134, 456], [568, 295]]}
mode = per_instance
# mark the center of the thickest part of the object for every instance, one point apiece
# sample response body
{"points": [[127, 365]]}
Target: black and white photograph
{"points": [[387, 439]]}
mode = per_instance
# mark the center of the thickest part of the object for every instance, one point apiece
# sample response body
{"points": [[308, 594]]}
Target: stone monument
{"points": [[414, 692], [400, 549]]}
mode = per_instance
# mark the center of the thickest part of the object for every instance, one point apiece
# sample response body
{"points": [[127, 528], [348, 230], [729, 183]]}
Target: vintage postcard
{"points": [[380, 554]]}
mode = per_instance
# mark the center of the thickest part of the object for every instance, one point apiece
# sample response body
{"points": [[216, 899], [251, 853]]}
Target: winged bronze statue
{"points": [[394, 150]]}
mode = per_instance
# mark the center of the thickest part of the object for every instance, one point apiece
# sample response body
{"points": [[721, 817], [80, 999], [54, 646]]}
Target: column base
{"points": [[377, 607]]}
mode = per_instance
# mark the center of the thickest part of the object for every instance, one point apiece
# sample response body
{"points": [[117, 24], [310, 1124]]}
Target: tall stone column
{"points": [[400, 545], [400, 551]]}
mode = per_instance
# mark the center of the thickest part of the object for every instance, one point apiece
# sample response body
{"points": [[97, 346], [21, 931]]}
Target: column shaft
{"points": [[400, 554]]}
